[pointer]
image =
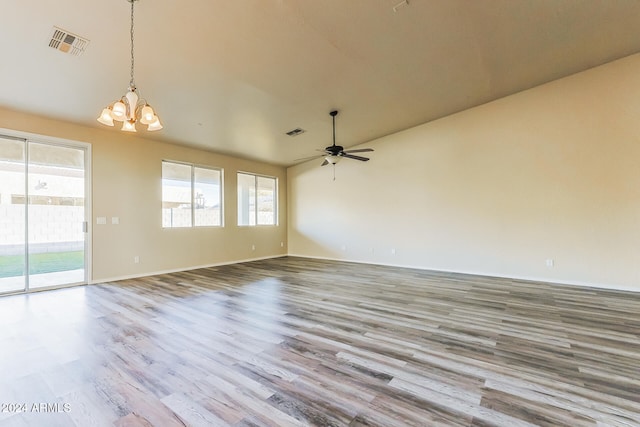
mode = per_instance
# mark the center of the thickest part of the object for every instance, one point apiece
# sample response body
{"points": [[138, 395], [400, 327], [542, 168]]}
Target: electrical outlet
{"points": [[136, 259], [393, 251], [253, 247], [550, 262]]}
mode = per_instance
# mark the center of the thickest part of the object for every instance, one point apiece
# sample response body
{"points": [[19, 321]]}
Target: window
{"points": [[257, 200], [191, 195]]}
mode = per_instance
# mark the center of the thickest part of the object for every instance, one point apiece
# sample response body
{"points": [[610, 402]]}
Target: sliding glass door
{"points": [[42, 215], [13, 237]]}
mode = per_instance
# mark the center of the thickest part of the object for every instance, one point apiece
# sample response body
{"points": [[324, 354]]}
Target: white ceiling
{"points": [[233, 76]]}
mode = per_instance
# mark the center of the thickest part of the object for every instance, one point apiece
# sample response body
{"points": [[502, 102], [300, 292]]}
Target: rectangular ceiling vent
{"points": [[296, 132], [67, 42]]}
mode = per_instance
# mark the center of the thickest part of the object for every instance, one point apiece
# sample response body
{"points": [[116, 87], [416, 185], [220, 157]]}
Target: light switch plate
{"points": [[101, 220]]}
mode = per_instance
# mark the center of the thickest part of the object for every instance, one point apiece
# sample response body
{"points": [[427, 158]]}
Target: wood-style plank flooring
{"points": [[292, 342]]}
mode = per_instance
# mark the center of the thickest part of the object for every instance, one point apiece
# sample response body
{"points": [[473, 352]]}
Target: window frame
{"points": [[193, 167], [276, 210]]}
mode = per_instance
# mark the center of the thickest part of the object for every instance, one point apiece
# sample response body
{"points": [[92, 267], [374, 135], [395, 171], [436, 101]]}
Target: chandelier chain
{"points": [[132, 82]]}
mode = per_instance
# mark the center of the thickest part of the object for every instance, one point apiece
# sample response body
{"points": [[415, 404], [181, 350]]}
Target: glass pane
{"points": [[246, 199], [266, 201], [176, 195], [208, 205], [12, 215], [56, 196]]}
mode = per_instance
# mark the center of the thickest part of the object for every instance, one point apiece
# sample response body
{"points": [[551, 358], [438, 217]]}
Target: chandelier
{"points": [[130, 109]]}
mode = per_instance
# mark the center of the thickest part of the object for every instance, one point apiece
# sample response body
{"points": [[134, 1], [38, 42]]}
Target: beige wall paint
{"points": [[549, 173], [126, 171]]}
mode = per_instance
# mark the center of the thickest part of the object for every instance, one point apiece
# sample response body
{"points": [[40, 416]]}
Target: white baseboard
{"points": [[177, 270], [486, 274], [417, 267]]}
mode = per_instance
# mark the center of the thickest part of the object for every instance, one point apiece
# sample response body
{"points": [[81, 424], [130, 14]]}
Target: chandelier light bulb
{"points": [[147, 115], [119, 111], [129, 126], [155, 124], [105, 118]]}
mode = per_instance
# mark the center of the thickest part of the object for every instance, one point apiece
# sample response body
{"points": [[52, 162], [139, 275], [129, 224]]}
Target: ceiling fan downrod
{"points": [[333, 114]]}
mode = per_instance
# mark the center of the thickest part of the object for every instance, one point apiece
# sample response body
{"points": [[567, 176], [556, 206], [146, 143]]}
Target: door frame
{"points": [[60, 142]]}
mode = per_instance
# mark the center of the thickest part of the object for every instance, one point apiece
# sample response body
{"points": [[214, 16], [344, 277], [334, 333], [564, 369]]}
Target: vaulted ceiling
{"points": [[235, 76]]}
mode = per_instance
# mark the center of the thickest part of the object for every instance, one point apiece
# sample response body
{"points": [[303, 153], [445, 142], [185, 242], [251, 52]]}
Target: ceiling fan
{"points": [[333, 153]]}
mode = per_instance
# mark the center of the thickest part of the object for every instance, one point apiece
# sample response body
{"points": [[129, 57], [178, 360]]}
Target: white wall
{"points": [[549, 173]]}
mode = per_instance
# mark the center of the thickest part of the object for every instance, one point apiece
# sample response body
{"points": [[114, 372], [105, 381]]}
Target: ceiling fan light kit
{"points": [[331, 160], [130, 108]]}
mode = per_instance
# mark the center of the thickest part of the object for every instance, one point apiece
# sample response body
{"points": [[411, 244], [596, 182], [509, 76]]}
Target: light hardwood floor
{"points": [[293, 341]]}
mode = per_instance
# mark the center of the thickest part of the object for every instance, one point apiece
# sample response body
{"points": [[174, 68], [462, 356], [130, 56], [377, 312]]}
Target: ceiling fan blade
{"points": [[325, 163], [350, 156], [359, 150], [317, 156]]}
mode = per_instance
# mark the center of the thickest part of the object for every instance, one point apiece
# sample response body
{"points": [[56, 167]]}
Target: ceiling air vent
{"points": [[67, 42], [296, 132]]}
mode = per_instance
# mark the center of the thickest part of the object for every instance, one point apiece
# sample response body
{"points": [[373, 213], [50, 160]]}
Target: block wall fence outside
{"points": [[53, 228], [178, 217]]}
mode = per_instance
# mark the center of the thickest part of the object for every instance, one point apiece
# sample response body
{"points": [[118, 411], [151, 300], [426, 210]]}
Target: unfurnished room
{"points": [[320, 213]]}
